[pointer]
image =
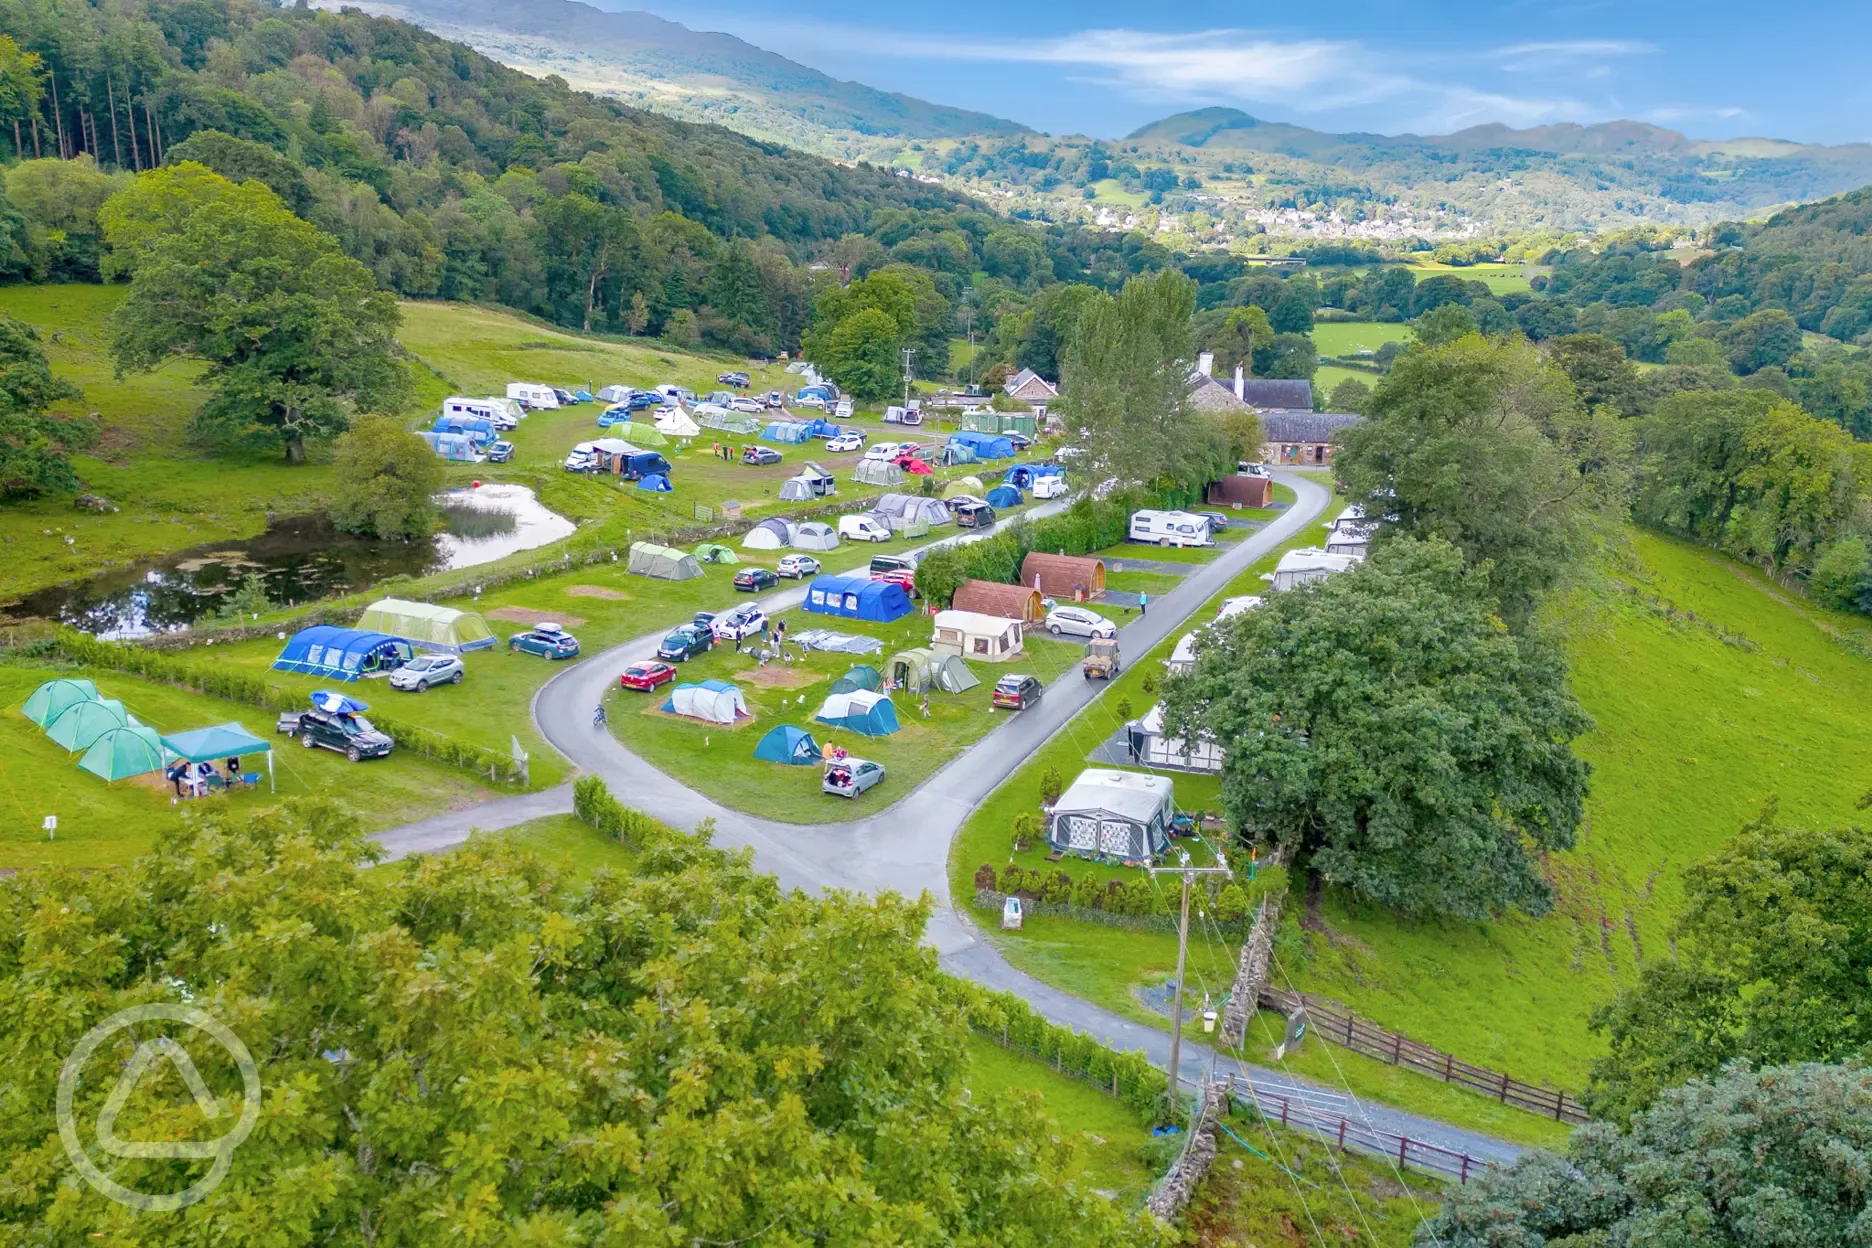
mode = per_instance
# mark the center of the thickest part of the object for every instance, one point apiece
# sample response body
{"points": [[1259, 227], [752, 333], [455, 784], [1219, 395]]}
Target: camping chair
{"points": [[250, 779], [211, 782]]}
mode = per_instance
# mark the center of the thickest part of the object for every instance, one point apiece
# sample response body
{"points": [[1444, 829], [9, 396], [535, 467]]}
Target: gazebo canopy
{"points": [[211, 745]]}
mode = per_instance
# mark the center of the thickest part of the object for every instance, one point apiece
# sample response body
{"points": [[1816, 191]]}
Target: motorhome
{"points": [[1170, 528], [459, 407], [532, 394]]}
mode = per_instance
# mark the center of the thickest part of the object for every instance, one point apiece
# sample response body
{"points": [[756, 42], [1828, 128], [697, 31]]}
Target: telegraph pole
{"points": [[1189, 875], [907, 353]]}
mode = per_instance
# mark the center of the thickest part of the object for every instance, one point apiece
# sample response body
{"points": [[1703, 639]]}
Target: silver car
{"points": [[848, 777], [428, 669], [1079, 622]]}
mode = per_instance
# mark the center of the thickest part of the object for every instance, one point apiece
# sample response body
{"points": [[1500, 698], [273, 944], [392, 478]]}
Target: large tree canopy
{"points": [[473, 1048], [1483, 443], [1754, 1159], [1772, 955], [35, 447], [296, 335], [1388, 729]]}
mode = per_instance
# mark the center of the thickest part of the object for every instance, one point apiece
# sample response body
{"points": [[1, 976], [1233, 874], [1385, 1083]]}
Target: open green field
{"points": [[570, 840], [1348, 337], [1328, 378], [1502, 279], [100, 824], [720, 762], [1117, 1153]]}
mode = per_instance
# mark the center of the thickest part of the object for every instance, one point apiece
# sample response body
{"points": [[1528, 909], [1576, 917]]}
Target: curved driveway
{"points": [[905, 847]]}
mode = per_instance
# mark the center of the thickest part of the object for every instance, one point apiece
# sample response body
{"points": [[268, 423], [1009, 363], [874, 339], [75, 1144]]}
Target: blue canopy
{"points": [[787, 744], [209, 745], [656, 483], [1004, 496], [985, 445], [341, 653], [857, 598]]}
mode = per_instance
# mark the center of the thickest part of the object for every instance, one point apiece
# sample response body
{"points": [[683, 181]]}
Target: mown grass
{"points": [[1347, 337], [101, 824], [1117, 1153], [564, 839], [1502, 279], [720, 762]]}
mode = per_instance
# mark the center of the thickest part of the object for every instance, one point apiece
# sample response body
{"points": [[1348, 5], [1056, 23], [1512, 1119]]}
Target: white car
{"points": [[886, 451], [428, 669], [744, 621], [845, 442], [797, 566], [1079, 622], [742, 403]]}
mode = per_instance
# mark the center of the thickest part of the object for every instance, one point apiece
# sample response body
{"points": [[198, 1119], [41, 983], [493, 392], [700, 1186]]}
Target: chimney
{"points": [[1205, 363], [1241, 385]]}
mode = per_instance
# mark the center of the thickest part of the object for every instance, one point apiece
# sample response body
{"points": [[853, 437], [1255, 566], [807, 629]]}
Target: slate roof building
{"points": [[1305, 439]]}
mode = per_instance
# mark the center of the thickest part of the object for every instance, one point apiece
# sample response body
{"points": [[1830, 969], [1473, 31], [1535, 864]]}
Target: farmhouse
{"points": [[1275, 394], [1075, 577], [1303, 437], [1011, 602], [1031, 388]]}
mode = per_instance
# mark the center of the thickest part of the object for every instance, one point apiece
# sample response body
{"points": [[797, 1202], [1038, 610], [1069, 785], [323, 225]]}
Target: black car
{"points": [[351, 735], [1019, 441], [752, 580], [974, 516], [500, 452], [1217, 520], [739, 381], [685, 642]]}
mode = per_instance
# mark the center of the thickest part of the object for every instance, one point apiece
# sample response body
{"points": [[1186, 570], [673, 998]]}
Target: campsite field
{"points": [[101, 824], [719, 761]]}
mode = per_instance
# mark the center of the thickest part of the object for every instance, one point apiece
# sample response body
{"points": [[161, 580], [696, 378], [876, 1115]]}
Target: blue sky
{"points": [[1714, 69]]}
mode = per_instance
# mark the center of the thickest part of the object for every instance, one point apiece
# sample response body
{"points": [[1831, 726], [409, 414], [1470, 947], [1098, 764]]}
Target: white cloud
{"points": [[1577, 47], [1671, 114]]}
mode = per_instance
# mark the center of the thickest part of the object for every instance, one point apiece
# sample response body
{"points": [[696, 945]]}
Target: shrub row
{"points": [[593, 804], [1013, 1024], [1230, 902], [249, 689]]}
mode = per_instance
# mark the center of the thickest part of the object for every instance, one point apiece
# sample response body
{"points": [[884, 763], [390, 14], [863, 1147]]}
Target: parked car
{"points": [[848, 777], [428, 669], [1016, 693], [500, 452], [646, 676], [1049, 487], [1217, 520], [738, 380], [845, 442], [885, 451], [742, 403], [351, 735], [744, 621], [863, 528], [775, 399], [706, 620], [797, 566], [753, 580], [685, 641], [1019, 441], [581, 458], [549, 641], [813, 401], [642, 400], [973, 515], [1079, 622], [759, 456]]}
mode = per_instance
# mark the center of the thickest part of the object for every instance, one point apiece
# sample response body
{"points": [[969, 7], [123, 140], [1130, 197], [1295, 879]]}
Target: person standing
{"points": [[1143, 604]]}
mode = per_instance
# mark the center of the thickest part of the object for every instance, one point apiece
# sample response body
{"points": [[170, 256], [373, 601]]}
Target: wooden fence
{"points": [[1298, 1114], [1362, 1036]]}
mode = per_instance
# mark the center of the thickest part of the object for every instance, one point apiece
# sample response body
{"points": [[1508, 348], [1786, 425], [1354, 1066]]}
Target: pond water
{"points": [[298, 560]]}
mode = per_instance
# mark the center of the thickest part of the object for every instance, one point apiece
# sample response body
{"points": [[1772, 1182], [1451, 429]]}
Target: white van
{"points": [[864, 528], [1170, 528], [582, 458], [532, 394], [1050, 487]]}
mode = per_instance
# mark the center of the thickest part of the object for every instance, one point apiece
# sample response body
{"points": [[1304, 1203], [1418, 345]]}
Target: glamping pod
{"points": [[857, 598], [428, 627], [342, 653], [1013, 602], [1115, 814], [1064, 577]]}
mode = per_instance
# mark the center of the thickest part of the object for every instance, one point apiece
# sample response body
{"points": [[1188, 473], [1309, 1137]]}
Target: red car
{"points": [[646, 676]]}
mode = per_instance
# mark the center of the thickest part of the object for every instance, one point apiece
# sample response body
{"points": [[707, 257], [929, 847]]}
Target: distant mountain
{"points": [[698, 75]]}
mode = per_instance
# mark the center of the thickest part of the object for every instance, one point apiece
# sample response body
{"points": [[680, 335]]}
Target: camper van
{"points": [[1170, 528], [582, 458], [532, 394], [1050, 487], [460, 405]]}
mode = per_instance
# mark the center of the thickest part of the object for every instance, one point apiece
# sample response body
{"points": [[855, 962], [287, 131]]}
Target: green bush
{"points": [[1012, 1022], [1051, 786]]}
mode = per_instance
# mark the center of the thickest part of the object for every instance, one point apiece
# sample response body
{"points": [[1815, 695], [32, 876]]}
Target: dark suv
{"points": [[351, 735], [974, 516], [685, 642], [1016, 693]]}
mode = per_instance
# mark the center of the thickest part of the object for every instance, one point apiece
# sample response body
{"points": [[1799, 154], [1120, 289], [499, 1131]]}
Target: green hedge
{"points": [[238, 685], [1232, 901], [1012, 1023], [593, 804]]}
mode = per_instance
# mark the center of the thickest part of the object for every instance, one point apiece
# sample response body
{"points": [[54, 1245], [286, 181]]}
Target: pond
{"points": [[297, 560]]}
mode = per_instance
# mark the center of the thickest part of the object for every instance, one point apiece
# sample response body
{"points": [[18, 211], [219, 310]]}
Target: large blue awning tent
{"points": [[790, 431], [786, 744], [1004, 496], [1023, 476], [857, 598], [985, 445], [211, 745], [342, 653]]}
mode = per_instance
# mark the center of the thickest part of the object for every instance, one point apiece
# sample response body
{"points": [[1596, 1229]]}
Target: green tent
{"points": [[84, 722], [714, 552], [913, 671], [638, 434], [134, 750], [953, 675], [663, 562], [862, 676], [427, 626], [55, 697]]}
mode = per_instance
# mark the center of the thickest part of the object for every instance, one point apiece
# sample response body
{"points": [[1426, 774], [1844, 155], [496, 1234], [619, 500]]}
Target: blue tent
{"points": [[456, 447], [1004, 496], [787, 744], [857, 598], [656, 483], [617, 415], [480, 428], [341, 653], [822, 429], [581, 396], [867, 714], [985, 445], [790, 431]]}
